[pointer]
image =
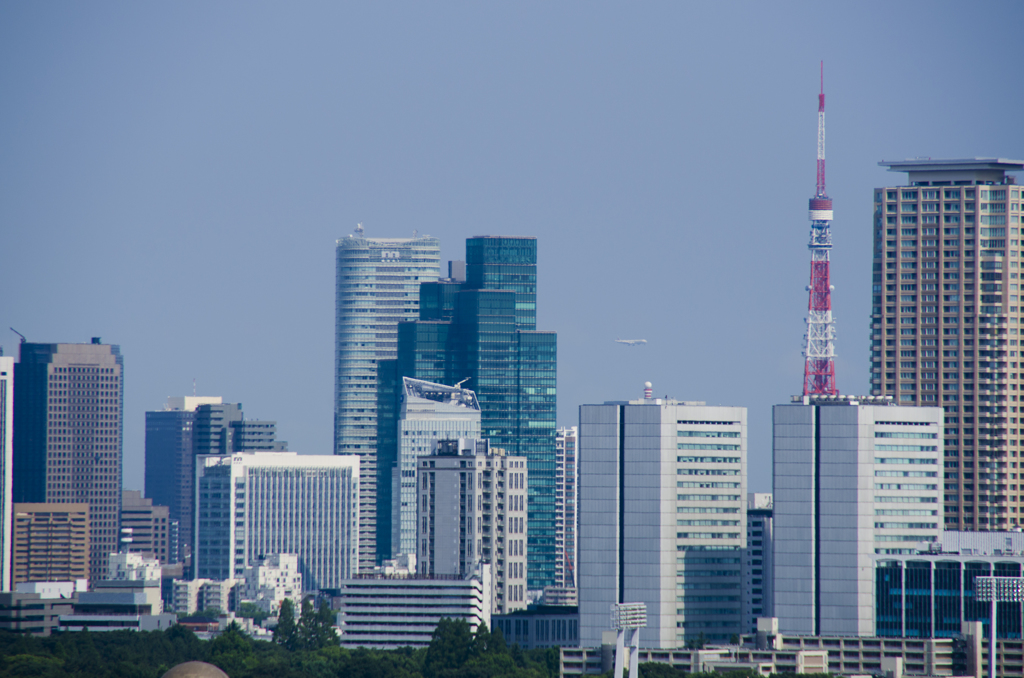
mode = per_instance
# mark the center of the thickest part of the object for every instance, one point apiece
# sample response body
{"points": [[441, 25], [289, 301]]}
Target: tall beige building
{"points": [[51, 542], [946, 321], [68, 414]]}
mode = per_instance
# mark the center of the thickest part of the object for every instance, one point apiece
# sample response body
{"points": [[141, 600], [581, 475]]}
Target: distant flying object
{"points": [[631, 342]]}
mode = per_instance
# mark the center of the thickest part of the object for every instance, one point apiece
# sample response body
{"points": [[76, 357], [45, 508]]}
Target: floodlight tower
{"points": [[819, 369]]}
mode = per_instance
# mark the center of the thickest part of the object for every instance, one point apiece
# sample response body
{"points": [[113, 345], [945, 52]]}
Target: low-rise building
{"points": [[133, 567], [129, 599], [379, 611], [275, 579], [196, 595], [578, 661], [540, 626], [35, 608], [560, 596]]}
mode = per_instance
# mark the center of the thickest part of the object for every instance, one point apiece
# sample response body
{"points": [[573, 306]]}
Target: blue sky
{"points": [[173, 177]]}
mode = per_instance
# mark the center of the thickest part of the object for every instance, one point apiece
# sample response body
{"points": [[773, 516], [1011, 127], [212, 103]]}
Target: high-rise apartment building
{"points": [[945, 323], [426, 413], [471, 502], [855, 478], [68, 410], [482, 333], [170, 461], [6, 468], [662, 518], [377, 286], [250, 505], [153, 534], [565, 506], [51, 542], [760, 569]]}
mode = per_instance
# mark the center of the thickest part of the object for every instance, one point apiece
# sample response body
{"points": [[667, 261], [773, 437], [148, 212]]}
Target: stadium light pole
{"points": [[997, 590], [628, 618]]}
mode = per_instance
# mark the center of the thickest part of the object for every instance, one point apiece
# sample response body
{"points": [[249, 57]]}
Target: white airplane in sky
{"points": [[631, 342]]}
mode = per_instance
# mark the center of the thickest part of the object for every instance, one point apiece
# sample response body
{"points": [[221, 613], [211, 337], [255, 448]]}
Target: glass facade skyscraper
{"points": [[482, 332], [377, 286]]}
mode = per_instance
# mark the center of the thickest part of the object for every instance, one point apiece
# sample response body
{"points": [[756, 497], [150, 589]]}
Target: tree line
{"points": [[306, 649]]}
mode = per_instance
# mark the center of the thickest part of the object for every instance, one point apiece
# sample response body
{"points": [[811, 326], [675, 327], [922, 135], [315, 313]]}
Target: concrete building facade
{"points": [[51, 542], [6, 470], [471, 501], [427, 413], [152, 533], [68, 412], [855, 478], [273, 580], [759, 579], [566, 501], [252, 504], [378, 611], [377, 286], [663, 518], [945, 323]]}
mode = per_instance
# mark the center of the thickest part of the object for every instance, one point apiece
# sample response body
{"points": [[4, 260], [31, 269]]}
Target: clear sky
{"points": [[173, 177]]}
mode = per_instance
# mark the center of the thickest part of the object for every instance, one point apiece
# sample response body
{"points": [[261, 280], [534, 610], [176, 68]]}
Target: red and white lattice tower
{"points": [[820, 370]]}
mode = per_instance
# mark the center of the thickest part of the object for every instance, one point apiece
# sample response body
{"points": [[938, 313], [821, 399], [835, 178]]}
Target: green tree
{"points": [[253, 611], [448, 650], [286, 633], [308, 626], [658, 670], [325, 618], [232, 651]]}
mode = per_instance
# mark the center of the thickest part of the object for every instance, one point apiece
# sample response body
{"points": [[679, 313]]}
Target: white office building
{"points": [[6, 469], [389, 612], [472, 510], [253, 504], [855, 478], [429, 412], [662, 518]]}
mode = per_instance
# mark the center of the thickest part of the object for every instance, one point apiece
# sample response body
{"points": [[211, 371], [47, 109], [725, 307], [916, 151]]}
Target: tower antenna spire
{"points": [[819, 368]]}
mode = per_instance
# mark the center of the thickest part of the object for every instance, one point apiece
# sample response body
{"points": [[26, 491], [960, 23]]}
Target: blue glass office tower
{"points": [[483, 332]]}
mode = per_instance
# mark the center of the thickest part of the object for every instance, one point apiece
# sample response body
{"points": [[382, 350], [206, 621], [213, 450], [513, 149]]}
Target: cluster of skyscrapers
{"points": [[448, 463]]}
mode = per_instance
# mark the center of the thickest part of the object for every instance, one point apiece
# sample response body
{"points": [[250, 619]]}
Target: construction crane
{"points": [[631, 342], [819, 368]]}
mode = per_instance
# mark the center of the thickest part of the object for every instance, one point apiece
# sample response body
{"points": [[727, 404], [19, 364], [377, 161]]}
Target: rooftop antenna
{"points": [[23, 339], [193, 387], [819, 351], [359, 229]]}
